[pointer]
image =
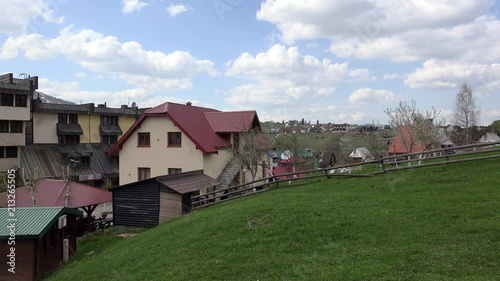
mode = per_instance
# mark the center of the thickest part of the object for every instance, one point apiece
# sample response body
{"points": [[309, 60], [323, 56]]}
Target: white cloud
{"points": [[284, 84], [18, 16], [361, 74], [283, 74], [371, 96], [394, 30], [438, 75], [128, 61], [72, 91], [130, 6], [392, 76], [177, 9]]}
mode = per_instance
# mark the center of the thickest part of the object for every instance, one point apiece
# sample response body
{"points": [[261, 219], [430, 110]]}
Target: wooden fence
{"points": [[444, 156]]}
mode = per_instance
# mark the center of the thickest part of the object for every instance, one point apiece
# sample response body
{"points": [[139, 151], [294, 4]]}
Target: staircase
{"points": [[227, 175]]}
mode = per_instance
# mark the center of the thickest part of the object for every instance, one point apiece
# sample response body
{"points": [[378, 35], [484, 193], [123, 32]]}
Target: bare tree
{"points": [[466, 114], [30, 180], [66, 175], [252, 150], [292, 144], [413, 128]]}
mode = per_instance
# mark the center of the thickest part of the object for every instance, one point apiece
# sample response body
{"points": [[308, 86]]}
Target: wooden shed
{"points": [[153, 201], [31, 240]]}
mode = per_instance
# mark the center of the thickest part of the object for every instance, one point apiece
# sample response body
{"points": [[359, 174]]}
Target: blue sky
{"points": [[333, 61]]}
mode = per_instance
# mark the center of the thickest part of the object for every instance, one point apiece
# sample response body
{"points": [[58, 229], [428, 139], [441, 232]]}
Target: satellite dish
{"points": [[134, 104], [286, 155]]}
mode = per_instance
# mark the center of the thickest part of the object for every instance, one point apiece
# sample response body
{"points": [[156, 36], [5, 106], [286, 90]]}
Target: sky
{"points": [[339, 61]]}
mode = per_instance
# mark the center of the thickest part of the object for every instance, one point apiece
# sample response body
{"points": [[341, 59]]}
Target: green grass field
{"points": [[436, 223]]}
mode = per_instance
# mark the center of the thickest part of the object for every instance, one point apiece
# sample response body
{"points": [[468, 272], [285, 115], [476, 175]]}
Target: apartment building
{"points": [[15, 112], [76, 138]]}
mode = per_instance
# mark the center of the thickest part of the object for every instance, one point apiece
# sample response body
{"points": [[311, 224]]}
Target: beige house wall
{"points": [[213, 164], [11, 139], [90, 127], [158, 157], [44, 127], [10, 163], [125, 122], [16, 113]]}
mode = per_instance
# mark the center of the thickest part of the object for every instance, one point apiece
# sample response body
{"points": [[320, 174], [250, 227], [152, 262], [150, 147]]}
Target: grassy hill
{"points": [[439, 223]]}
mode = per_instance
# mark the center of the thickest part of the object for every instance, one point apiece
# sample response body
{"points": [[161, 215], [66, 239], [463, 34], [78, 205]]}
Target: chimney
{"points": [[101, 105], [124, 106], [189, 103]]}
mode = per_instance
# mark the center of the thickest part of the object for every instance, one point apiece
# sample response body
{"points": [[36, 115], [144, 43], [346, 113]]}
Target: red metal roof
{"points": [[402, 137], [200, 124], [51, 193], [232, 122], [280, 170]]}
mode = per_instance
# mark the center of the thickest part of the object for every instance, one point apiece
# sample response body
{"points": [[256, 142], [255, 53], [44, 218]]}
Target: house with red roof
{"points": [[405, 141], [175, 138]]}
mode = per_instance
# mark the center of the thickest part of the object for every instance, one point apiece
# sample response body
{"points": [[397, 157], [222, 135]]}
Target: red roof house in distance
{"points": [[404, 142], [175, 138]]}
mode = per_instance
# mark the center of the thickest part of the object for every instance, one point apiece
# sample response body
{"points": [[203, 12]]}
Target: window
{"points": [[144, 140], [144, 173], [69, 139], [7, 100], [8, 151], [172, 171], [67, 118], [109, 139], [73, 118], [174, 139], [62, 118], [4, 126], [109, 120], [16, 126], [21, 100]]}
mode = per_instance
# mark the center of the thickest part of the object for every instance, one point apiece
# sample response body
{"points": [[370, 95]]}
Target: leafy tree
{"points": [[495, 127], [466, 114]]}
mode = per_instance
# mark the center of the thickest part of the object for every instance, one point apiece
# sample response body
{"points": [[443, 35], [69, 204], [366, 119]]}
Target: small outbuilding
{"points": [[360, 154], [150, 202], [32, 240], [489, 137]]}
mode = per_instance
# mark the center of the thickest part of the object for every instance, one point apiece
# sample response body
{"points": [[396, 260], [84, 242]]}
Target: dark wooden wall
{"points": [[25, 260], [137, 204]]}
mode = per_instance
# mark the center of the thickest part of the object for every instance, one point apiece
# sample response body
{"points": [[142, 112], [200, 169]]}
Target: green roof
{"points": [[31, 223]]}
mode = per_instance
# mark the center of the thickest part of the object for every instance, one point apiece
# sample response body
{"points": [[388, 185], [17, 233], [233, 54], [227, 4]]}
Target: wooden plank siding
{"points": [[170, 206], [25, 260], [137, 205]]}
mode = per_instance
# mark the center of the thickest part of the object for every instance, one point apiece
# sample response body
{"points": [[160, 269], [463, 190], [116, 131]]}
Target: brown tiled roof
{"points": [[181, 183]]}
